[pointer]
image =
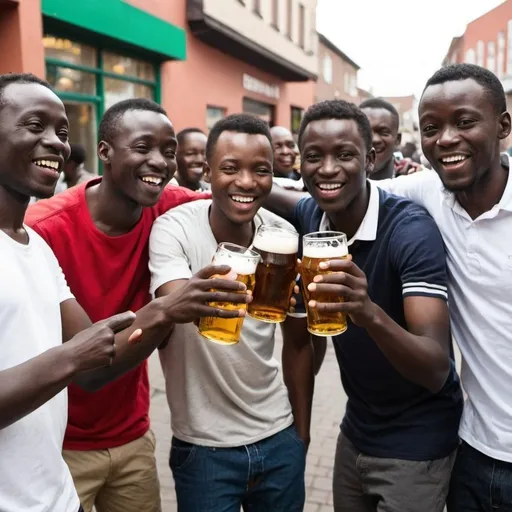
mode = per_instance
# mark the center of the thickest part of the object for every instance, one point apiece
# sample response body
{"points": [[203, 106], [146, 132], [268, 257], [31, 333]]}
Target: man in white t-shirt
{"points": [[38, 312], [240, 433], [463, 118]]}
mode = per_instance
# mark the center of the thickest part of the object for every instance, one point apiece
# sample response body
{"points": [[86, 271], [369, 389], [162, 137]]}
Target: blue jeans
{"points": [[479, 483], [261, 477]]}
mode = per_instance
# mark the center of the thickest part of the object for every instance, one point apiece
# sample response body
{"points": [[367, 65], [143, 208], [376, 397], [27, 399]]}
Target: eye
{"points": [[63, 135], [345, 155], [429, 129], [228, 169], [312, 157], [141, 148], [466, 123], [36, 126], [263, 171], [170, 153]]}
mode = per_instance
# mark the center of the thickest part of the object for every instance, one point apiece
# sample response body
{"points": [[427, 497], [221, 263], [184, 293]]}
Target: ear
{"points": [[370, 162], [105, 152], [207, 173], [505, 125], [398, 140]]}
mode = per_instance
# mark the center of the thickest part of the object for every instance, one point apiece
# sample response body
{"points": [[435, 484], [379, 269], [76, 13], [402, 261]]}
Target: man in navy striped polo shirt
{"points": [[399, 434]]}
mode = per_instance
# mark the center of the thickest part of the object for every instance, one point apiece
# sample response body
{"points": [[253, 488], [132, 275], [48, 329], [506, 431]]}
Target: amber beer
{"points": [[275, 274], [319, 247], [243, 261]]}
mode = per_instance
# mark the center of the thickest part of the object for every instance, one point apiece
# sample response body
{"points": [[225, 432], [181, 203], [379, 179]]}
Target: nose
{"points": [[330, 167], [245, 180], [157, 161], [55, 143], [376, 138], [448, 137]]}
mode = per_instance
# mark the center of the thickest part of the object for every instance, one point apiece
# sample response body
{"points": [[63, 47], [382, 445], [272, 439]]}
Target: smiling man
{"points": [[191, 159], [399, 434], [463, 119], [99, 232], [238, 441], [284, 152]]}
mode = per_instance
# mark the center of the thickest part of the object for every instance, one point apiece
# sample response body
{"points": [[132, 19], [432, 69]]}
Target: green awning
{"points": [[122, 22]]}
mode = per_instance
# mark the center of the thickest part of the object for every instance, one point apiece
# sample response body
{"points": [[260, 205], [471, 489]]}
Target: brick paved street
{"points": [[327, 412]]}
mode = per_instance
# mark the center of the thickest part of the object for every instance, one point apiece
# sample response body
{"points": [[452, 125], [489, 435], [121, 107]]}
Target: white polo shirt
{"points": [[479, 258]]}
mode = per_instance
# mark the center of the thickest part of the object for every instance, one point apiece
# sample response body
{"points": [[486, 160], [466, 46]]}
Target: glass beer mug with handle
{"points": [[275, 274], [243, 262], [319, 247]]}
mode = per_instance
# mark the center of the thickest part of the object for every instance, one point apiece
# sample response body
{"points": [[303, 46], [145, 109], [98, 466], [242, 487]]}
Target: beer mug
{"points": [[319, 247], [243, 262], [275, 274]]}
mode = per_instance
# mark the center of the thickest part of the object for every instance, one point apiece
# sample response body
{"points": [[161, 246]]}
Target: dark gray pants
{"points": [[371, 484]]}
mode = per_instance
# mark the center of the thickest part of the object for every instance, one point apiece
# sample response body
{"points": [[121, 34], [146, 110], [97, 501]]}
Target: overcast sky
{"points": [[397, 43]]}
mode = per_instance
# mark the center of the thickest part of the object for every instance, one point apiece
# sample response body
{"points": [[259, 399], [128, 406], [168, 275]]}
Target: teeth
{"points": [[452, 159], [242, 199], [50, 164], [152, 179], [329, 186]]}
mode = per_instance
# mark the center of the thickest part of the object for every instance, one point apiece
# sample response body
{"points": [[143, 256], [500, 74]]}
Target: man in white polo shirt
{"points": [[463, 118]]}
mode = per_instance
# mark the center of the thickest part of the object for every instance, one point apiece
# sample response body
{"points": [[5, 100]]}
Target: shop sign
{"points": [[258, 86]]}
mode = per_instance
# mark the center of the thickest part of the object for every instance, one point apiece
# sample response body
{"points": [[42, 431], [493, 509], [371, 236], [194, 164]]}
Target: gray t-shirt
{"points": [[220, 396]]}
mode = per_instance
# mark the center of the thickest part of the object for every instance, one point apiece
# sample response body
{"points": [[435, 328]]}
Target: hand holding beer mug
{"points": [[275, 274], [319, 248], [243, 263]]}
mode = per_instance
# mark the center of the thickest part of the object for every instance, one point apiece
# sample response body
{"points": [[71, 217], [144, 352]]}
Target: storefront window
{"points": [[214, 114], [264, 111], [296, 119], [89, 80]]}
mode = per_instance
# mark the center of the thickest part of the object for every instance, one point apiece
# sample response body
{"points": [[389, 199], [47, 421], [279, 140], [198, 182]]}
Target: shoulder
{"points": [[173, 196], [272, 219], [186, 214], [398, 209], [41, 245], [307, 215], [58, 208]]}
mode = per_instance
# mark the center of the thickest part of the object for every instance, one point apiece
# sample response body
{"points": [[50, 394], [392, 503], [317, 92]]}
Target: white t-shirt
{"points": [[479, 258], [220, 396], [33, 474]]}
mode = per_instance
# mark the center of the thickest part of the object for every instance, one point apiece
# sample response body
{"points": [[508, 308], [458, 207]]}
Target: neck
{"points": [[225, 230], [12, 213], [112, 211], [184, 183], [482, 195], [281, 174], [348, 220], [387, 171]]}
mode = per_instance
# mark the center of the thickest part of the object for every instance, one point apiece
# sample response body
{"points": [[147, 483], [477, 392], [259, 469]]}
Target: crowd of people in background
{"points": [[100, 272]]}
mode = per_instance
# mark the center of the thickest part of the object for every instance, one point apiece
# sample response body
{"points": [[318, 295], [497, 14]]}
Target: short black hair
{"points": [[488, 80], [183, 133], [20, 78], [241, 123], [111, 117], [337, 109], [78, 154], [381, 103]]}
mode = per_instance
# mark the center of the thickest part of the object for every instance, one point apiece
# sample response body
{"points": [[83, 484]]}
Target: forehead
{"points": [[20, 98], [454, 95], [242, 145], [281, 134], [196, 138], [380, 116], [332, 130], [134, 123]]}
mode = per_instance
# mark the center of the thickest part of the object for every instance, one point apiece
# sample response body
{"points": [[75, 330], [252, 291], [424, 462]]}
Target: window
{"points": [[264, 111], [90, 80], [353, 85], [501, 55], [470, 57], [214, 114], [296, 118], [327, 69], [257, 7], [289, 19], [491, 56], [275, 14], [302, 26], [480, 50]]}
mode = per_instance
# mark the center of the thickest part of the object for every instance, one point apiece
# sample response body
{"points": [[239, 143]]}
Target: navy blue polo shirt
{"points": [[399, 248]]}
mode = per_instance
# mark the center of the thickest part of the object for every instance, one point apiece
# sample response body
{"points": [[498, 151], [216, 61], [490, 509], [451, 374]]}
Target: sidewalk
{"points": [[328, 408]]}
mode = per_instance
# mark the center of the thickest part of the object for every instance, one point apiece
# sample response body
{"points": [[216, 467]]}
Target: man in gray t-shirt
{"points": [[240, 433]]}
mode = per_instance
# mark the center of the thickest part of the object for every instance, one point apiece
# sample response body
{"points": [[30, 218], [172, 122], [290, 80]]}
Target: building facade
{"points": [[337, 73], [407, 107], [201, 59]]}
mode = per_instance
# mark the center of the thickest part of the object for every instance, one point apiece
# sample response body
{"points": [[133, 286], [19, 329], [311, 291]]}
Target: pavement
{"points": [[328, 407]]}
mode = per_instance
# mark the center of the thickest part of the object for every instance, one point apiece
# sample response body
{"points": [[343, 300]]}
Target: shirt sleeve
{"points": [[413, 187], [168, 260], [418, 255]]}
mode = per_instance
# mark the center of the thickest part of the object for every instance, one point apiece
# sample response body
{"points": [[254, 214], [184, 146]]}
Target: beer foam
{"points": [[325, 251], [278, 243], [239, 264]]}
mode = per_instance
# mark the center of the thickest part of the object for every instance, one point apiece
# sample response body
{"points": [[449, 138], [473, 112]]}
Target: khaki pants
{"points": [[122, 479], [371, 484]]}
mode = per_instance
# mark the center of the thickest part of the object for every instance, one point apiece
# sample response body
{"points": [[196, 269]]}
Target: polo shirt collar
{"points": [[367, 230]]}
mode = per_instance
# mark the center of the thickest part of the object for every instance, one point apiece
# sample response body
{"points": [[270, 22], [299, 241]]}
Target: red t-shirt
{"points": [[107, 275]]}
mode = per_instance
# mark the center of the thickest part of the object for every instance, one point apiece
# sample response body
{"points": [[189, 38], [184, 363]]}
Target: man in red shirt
{"points": [[99, 232]]}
